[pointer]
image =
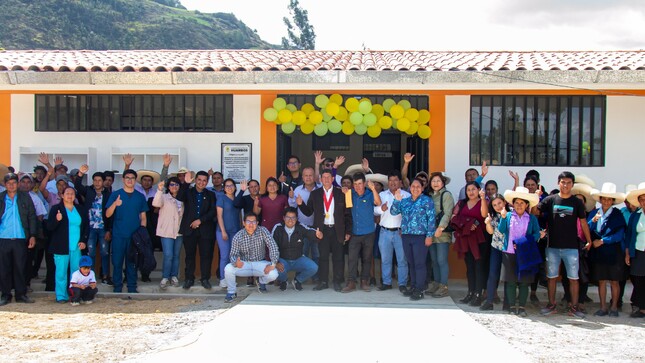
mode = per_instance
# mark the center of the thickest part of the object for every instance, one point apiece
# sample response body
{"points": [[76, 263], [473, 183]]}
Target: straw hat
{"points": [[353, 169], [632, 196], [608, 190], [583, 179], [584, 190], [522, 193], [446, 179], [153, 174], [182, 170], [377, 178]]}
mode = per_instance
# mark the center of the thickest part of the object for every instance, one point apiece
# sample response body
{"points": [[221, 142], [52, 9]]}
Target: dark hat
{"points": [[61, 166]]}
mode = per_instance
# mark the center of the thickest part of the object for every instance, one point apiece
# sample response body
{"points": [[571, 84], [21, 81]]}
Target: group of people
{"points": [[520, 238]]}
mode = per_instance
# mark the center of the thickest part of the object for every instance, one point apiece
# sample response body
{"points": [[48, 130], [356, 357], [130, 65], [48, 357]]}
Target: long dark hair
{"points": [[466, 190], [492, 210]]}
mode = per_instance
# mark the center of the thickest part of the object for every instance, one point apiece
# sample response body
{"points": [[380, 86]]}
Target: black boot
{"points": [[468, 297], [476, 300]]}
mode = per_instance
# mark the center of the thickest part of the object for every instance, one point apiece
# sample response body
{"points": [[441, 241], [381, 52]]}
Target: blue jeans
{"points": [[65, 263], [390, 242], [439, 257], [494, 273], [171, 248], [569, 256], [97, 235], [304, 266], [310, 249], [224, 250], [120, 247], [416, 253]]}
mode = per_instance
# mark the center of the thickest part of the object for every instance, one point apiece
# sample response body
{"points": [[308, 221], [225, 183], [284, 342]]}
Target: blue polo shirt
{"points": [[126, 217], [363, 213], [11, 225]]}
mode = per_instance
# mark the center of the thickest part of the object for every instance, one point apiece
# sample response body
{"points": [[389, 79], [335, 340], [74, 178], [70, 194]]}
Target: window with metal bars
{"points": [[538, 130], [134, 113]]}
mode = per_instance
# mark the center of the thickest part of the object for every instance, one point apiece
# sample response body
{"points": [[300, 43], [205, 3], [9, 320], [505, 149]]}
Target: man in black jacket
{"points": [[18, 229], [198, 227], [100, 232], [290, 237]]}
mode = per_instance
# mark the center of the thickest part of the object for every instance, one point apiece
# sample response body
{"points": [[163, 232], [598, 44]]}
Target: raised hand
{"points": [[365, 164], [43, 158], [128, 159], [339, 161], [160, 186], [83, 169], [59, 216], [397, 195], [118, 201], [188, 178], [243, 185], [538, 191], [282, 178], [484, 169], [488, 219], [407, 157], [318, 156], [482, 194], [167, 159], [58, 160], [319, 234], [514, 175]]}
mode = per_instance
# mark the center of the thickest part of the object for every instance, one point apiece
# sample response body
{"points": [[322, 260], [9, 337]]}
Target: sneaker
{"points": [[75, 303], [487, 306], [262, 288], [416, 295], [296, 285], [107, 281], [174, 281], [230, 297], [601, 312], [613, 313], [521, 312], [283, 285], [164, 283], [575, 312], [548, 310], [442, 291], [434, 286], [87, 302], [222, 284]]}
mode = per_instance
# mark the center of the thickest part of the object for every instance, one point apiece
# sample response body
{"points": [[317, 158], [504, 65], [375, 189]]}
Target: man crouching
{"points": [[247, 251]]}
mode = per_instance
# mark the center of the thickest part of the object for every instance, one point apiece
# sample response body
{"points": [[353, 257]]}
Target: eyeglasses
{"points": [[329, 164], [251, 222], [229, 186], [288, 218], [173, 185], [129, 178], [292, 163]]}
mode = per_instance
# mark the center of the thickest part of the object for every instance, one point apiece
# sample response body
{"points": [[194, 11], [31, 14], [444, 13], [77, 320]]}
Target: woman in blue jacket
{"points": [[521, 234], [607, 227]]}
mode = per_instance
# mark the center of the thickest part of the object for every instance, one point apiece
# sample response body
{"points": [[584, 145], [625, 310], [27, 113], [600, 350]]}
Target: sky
{"points": [[516, 25]]}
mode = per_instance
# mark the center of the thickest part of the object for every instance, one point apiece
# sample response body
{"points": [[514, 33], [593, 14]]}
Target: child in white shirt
{"points": [[83, 283]]}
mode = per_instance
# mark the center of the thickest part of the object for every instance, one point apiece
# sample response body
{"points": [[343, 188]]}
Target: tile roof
{"points": [[316, 60]]}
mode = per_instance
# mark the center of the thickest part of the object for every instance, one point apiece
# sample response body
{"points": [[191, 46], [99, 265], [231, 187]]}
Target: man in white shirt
{"points": [[390, 235]]}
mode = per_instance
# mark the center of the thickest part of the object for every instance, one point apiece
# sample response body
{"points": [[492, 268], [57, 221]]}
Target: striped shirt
{"points": [[252, 247]]}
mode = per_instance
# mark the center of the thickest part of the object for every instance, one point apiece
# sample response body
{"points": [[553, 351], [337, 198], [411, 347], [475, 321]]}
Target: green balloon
{"points": [[288, 127], [387, 104], [326, 116], [270, 114], [356, 118], [321, 129], [334, 126], [279, 103], [365, 107], [369, 119], [360, 129], [291, 107], [321, 101]]}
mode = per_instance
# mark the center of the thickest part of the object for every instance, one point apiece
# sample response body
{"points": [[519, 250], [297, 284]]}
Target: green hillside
{"points": [[118, 24]]}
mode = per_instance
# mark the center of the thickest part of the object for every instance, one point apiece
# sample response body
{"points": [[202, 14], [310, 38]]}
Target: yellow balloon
{"points": [[405, 104], [336, 98], [385, 122], [348, 128], [284, 115], [424, 117], [412, 129], [412, 114], [342, 114], [397, 112], [374, 131], [307, 128], [299, 117], [351, 105], [378, 110], [332, 109], [424, 131], [307, 108], [402, 124], [315, 117]]}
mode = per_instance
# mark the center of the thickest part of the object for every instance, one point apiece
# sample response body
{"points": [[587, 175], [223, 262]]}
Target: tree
{"points": [[171, 3], [300, 33]]}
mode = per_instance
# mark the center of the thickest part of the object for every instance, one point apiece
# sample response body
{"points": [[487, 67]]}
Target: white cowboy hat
{"points": [[584, 190], [632, 196], [377, 178], [583, 179], [629, 188], [353, 169], [608, 190], [153, 174], [522, 193]]}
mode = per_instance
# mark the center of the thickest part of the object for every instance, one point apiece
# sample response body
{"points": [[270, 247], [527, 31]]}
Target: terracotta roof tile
{"points": [[294, 60]]}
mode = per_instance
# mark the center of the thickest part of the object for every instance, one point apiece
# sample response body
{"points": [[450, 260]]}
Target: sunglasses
{"points": [[173, 185]]}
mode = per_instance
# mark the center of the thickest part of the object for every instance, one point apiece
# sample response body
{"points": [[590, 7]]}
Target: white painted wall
{"points": [[203, 150], [624, 142]]}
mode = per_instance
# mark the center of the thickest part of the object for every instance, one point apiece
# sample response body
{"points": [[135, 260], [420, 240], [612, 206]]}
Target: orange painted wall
{"points": [[5, 129]]}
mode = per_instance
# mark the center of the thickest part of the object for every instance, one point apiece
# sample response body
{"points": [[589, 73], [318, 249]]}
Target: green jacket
{"points": [[448, 205]]}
